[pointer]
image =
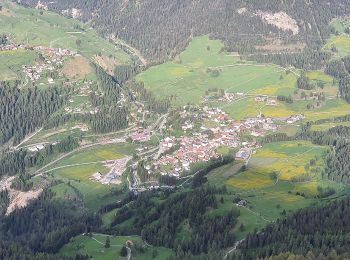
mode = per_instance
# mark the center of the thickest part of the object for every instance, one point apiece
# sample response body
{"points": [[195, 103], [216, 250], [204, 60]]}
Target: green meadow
{"points": [[191, 74], [98, 153], [36, 27], [279, 179], [11, 63], [74, 174], [94, 247]]}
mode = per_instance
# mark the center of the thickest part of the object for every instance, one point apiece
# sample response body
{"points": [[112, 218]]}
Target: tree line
{"points": [[319, 230], [23, 110], [162, 28]]}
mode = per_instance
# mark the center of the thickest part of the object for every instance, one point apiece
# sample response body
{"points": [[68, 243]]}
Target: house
{"points": [[96, 176], [242, 203], [243, 154]]}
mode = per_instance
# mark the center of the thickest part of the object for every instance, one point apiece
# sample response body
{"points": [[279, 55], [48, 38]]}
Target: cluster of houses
{"points": [[117, 167], [12, 47], [36, 147], [53, 58], [202, 145], [294, 118], [224, 97], [141, 136], [266, 99]]}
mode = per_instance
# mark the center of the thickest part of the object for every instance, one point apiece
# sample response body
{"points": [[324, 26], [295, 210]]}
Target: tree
{"points": [[108, 242], [78, 42], [124, 251]]}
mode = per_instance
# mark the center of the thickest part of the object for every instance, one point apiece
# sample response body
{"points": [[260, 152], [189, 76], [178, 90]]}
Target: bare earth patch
{"points": [[279, 46], [18, 199], [107, 63], [6, 12], [281, 20], [77, 68]]}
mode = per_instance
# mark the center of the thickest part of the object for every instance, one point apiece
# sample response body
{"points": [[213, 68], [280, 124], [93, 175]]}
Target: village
{"points": [[46, 66], [176, 155]]}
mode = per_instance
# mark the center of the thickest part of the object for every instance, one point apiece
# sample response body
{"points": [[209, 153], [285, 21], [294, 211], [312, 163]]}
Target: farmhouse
{"points": [[243, 154]]}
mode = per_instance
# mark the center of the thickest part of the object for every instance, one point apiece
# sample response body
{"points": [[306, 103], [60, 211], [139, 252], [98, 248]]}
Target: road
{"points": [[233, 248], [131, 49], [28, 138], [39, 171]]}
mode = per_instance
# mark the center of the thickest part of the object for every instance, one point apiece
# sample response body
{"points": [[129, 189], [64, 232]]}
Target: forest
{"points": [[161, 29], [24, 110], [318, 230]]}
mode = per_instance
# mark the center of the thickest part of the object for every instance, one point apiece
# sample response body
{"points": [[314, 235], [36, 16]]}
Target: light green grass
{"points": [[187, 77], [99, 153], [11, 63], [268, 198], [86, 245], [27, 25]]}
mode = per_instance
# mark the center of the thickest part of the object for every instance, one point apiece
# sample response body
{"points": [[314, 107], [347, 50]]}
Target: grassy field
{"points": [[49, 29], [94, 247], [247, 107], [188, 78], [279, 177], [11, 63], [99, 153], [341, 42], [76, 177]]}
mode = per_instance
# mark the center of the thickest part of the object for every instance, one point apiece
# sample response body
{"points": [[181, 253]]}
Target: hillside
{"points": [[163, 28], [174, 130]]}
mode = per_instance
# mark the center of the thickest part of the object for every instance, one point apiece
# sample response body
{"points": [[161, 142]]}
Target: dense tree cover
{"points": [[161, 28], [303, 82], [287, 99], [160, 222], [151, 103], [15, 251], [308, 59], [111, 116], [23, 110], [125, 72], [338, 163], [3, 39], [340, 69], [16, 162], [319, 230], [4, 201], [46, 224], [337, 159]]}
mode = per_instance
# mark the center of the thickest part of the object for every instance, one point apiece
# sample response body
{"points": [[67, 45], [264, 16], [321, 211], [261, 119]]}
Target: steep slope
{"points": [[161, 28]]}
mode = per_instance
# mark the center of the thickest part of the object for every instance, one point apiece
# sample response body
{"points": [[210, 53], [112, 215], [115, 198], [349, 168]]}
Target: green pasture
{"points": [[340, 24], [98, 153], [29, 26], [269, 195], [11, 63], [94, 246], [341, 42], [189, 76]]}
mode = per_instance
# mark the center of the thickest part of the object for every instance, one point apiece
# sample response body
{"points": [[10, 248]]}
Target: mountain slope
{"points": [[161, 28]]}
